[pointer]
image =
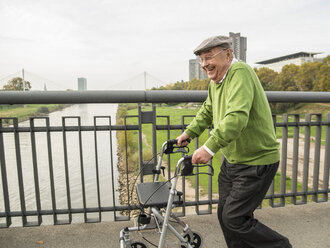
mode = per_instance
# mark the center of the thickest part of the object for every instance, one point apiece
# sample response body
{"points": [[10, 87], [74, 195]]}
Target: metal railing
{"points": [[309, 174]]}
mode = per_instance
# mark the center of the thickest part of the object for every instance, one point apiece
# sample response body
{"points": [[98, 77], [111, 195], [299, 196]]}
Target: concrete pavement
{"points": [[307, 226]]}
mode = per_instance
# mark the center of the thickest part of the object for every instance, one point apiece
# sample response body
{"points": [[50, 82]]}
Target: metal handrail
{"points": [[140, 96]]}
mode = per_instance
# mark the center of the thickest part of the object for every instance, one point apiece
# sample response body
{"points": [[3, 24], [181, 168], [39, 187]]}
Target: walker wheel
{"points": [[138, 245], [195, 243]]}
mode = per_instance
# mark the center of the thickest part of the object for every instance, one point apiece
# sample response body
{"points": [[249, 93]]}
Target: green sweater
{"points": [[243, 127]]}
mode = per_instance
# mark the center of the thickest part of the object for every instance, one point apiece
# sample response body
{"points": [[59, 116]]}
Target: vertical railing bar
{"points": [[66, 168], [126, 156], [112, 173], [35, 170], [317, 149], [140, 143], [210, 186], [19, 171], [154, 136], [127, 180], [168, 156], [82, 169], [295, 159], [197, 181], [272, 186], [168, 137], [97, 170], [306, 158], [4, 178], [325, 195], [183, 177], [284, 158]]}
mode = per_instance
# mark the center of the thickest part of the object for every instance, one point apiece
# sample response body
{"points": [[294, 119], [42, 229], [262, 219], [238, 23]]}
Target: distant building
{"points": [[82, 83], [239, 46], [195, 70], [299, 58], [239, 50]]}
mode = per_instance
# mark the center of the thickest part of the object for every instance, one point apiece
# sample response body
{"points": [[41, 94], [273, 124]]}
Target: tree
{"points": [[286, 80], [17, 84], [267, 78], [323, 76], [306, 77]]}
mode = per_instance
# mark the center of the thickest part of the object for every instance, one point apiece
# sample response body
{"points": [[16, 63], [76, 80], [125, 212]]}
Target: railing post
{"points": [[284, 160], [35, 169], [4, 179], [147, 117], [19, 171], [272, 186], [306, 159], [295, 159], [317, 150], [67, 178], [326, 171]]}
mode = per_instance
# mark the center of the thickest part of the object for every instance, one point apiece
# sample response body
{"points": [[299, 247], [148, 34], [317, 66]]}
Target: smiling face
{"points": [[215, 62]]}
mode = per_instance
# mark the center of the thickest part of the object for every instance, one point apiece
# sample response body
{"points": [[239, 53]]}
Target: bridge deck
{"points": [[306, 226]]}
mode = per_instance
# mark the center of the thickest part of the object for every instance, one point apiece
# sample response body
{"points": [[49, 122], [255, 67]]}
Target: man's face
{"points": [[215, 62]]}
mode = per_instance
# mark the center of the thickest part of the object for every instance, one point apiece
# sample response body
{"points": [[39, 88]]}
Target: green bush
{"points": [[43, 110]]}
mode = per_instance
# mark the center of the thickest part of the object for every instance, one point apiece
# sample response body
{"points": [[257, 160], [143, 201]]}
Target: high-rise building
{"points": [[195, 70], [239, 46], [82, 83]]}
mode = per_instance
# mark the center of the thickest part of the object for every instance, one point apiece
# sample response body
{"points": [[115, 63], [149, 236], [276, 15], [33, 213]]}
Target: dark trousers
{"points": [[241, 190]]}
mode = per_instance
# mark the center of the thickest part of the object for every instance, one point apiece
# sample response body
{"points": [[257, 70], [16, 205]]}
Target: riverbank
{"points": [[127, 170], [24, 112]]}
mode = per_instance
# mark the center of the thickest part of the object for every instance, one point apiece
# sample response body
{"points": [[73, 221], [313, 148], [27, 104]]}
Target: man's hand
{"points": [[181, 139], [201, 156]]}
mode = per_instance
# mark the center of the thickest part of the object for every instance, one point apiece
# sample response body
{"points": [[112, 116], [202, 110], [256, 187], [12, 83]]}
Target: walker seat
{"points": [[156, 194]]}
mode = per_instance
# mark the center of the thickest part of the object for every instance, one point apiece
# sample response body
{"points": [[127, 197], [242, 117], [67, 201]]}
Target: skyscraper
{"points": [[195, 70], [239, 46], [82, 83]]}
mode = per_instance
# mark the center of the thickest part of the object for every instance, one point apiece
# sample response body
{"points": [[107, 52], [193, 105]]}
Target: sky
{"points": [[111, 42]]}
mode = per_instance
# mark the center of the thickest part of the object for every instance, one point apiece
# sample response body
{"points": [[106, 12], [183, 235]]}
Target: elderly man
{"points": [[244, 132]]}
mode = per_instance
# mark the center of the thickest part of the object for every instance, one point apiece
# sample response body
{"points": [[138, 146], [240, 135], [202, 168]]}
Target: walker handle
{"points": [[170, 146], [187, 168], [175, 141]]}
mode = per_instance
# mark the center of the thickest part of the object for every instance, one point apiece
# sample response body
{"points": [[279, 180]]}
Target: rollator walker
{"points": [[162, 196]]}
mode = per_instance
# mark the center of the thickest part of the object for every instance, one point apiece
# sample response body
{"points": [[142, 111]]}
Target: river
{"points": [[86, 113]]}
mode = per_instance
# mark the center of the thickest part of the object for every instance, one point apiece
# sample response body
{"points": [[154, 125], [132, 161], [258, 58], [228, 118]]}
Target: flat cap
{"points": [[213, 41]]}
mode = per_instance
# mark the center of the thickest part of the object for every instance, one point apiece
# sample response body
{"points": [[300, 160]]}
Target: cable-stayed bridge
{"points": [[37, 82], [141, 81]]}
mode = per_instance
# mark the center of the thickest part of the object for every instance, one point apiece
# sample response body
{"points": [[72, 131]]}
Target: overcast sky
{"points": [[110, 41]]}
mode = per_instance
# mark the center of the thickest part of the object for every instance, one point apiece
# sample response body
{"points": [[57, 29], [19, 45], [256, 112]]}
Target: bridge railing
{"points": [[23, 187]]}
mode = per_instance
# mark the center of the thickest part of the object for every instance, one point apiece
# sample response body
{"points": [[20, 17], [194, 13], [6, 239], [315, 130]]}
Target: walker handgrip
{"points": [[175, 141], [172, 142], [171, 148], [187, 168]]}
